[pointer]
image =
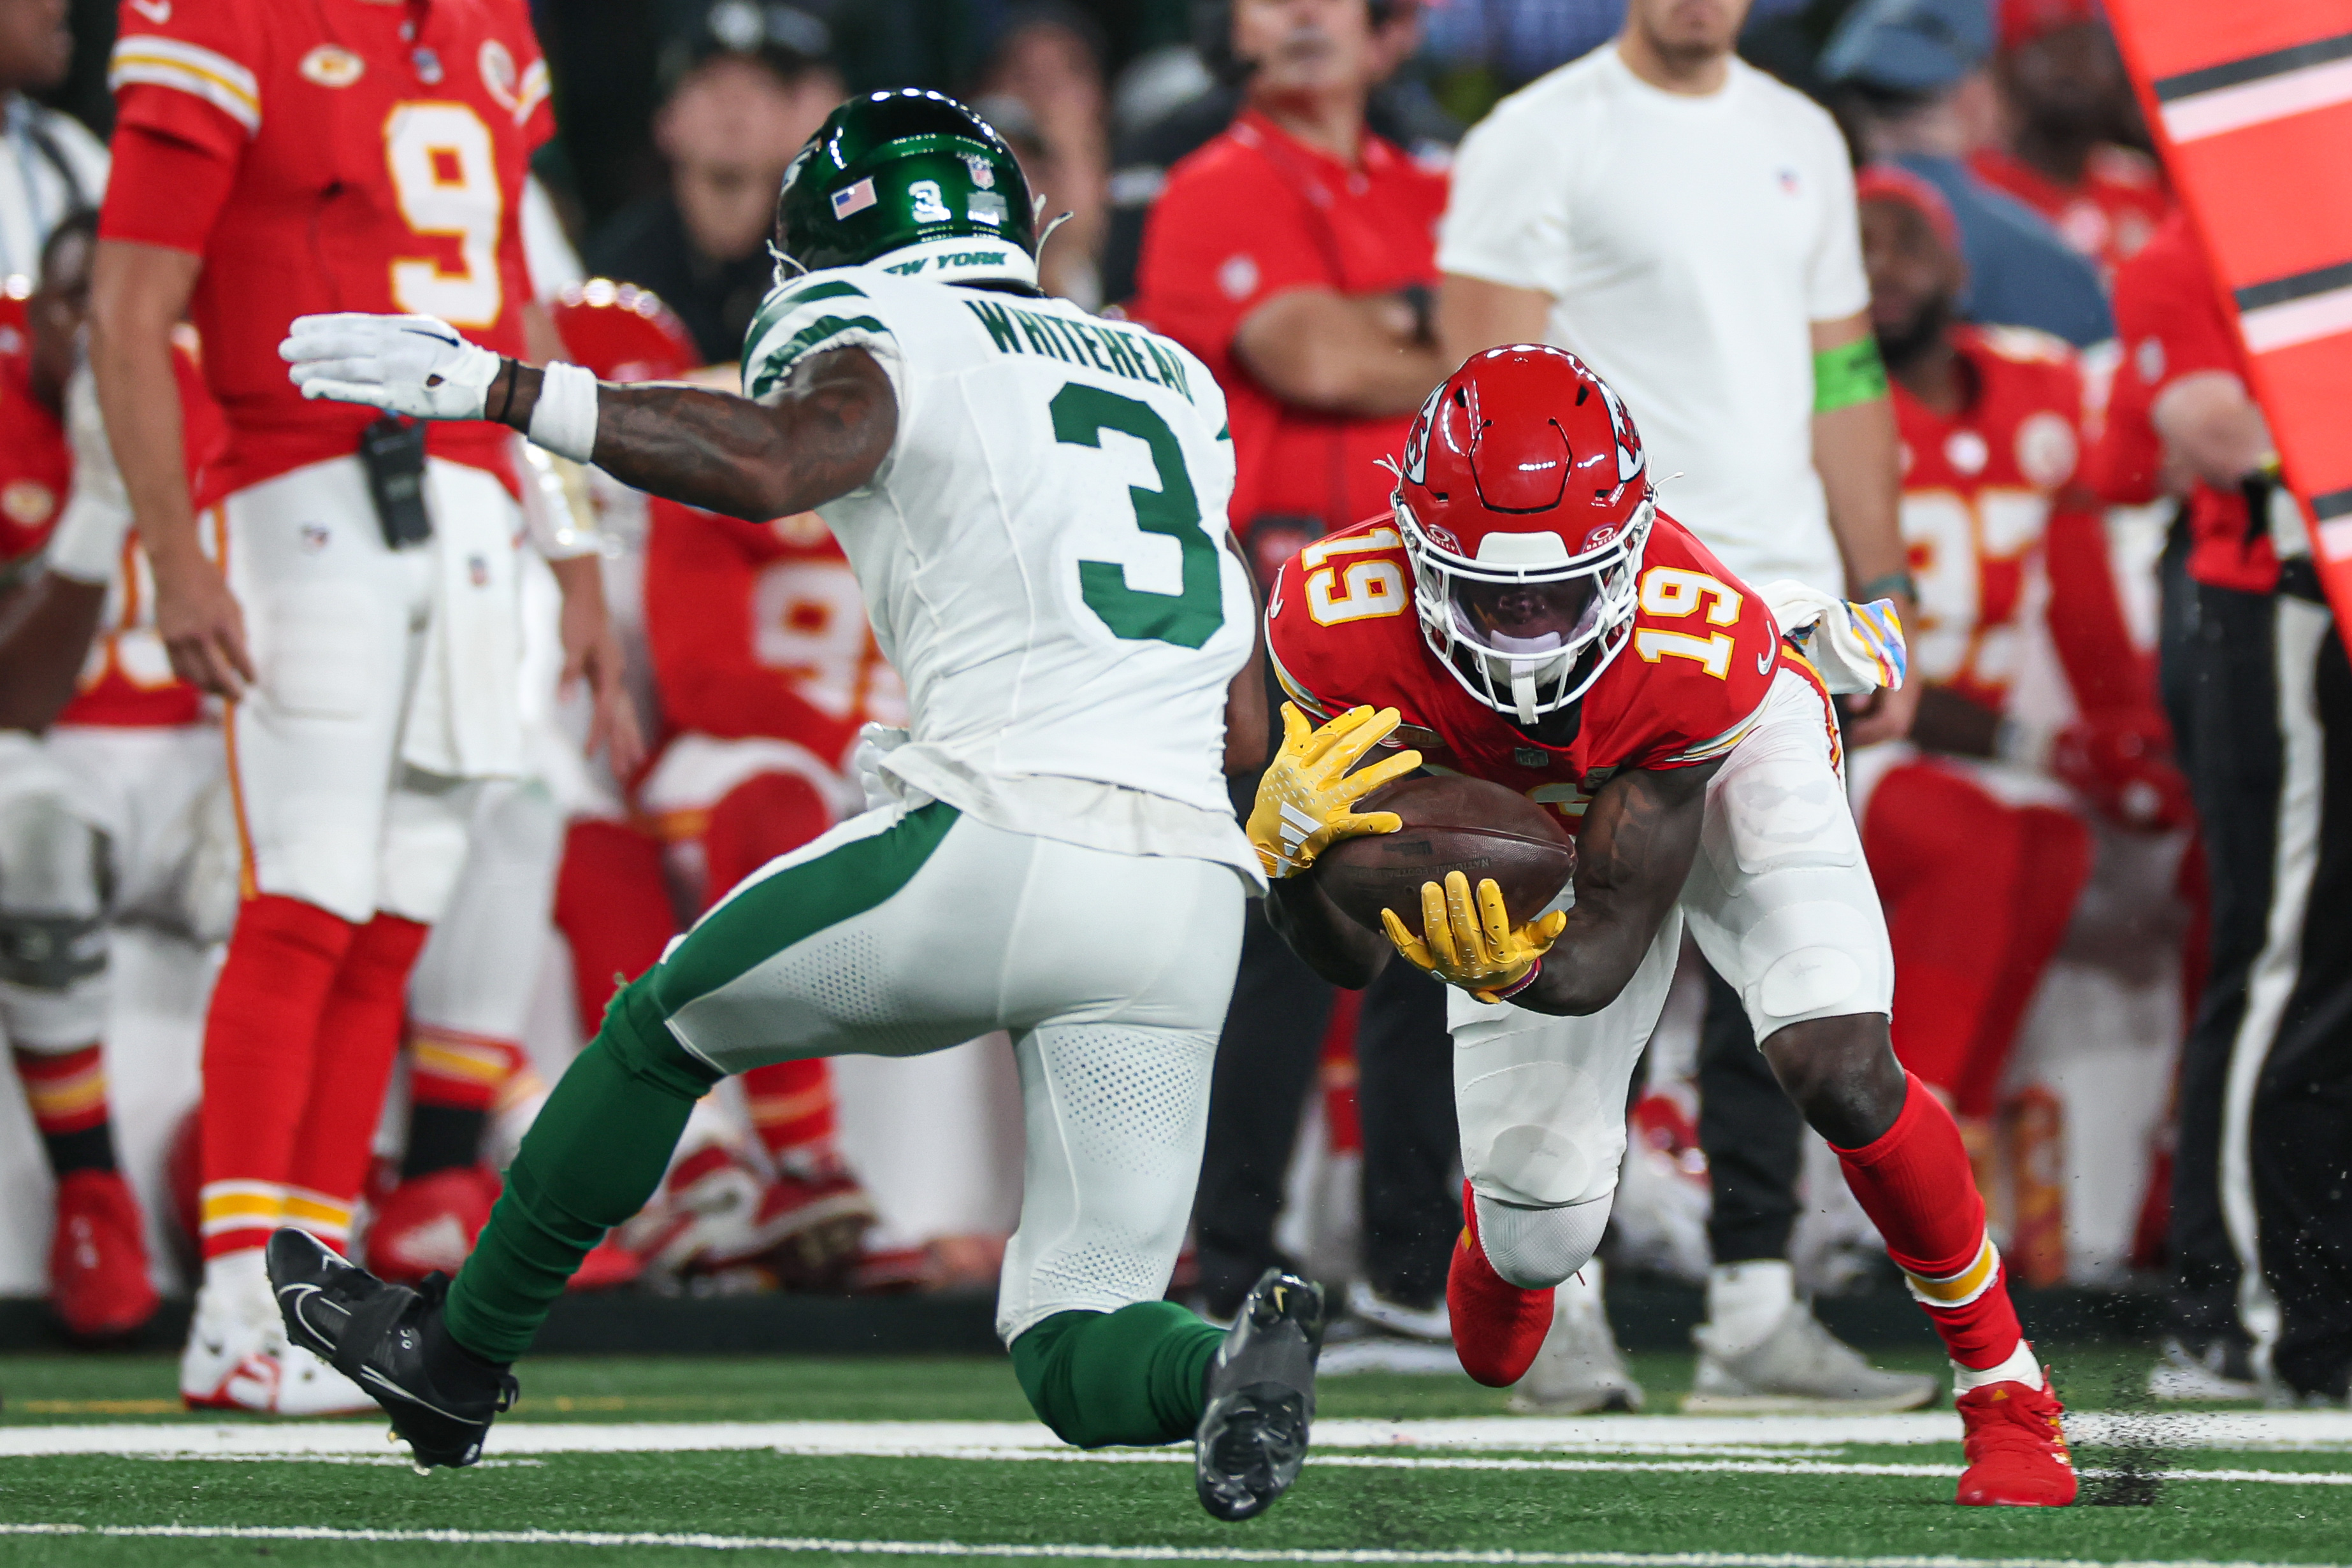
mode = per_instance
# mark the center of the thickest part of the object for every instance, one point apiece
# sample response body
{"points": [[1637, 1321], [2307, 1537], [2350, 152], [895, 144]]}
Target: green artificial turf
{"points": [[1044, 1502], [40, 1389]]}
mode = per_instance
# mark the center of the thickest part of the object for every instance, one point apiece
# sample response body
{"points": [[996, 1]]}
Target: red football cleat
{"points": [[430, 1223], [1497, 1327], [97, 1262], [2016, 1448]]}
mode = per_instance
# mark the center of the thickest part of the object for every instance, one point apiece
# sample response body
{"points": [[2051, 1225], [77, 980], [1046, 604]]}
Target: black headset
{"points": [[1212, 36]]}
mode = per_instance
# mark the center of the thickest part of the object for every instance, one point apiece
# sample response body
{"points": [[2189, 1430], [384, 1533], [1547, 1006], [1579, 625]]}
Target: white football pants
{"points": [[903, 932], [1784, 907], [338, 623]]}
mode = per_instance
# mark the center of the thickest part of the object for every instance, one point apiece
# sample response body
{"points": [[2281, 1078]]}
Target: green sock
{"points": [[1129, 1376], [591, 1160]]}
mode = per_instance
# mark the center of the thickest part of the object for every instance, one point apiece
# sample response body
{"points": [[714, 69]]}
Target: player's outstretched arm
{"points": [[820, 434], [1640, 836]]}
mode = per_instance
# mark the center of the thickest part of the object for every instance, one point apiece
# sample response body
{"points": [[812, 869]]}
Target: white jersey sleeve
{"points": [[1045, 556]]}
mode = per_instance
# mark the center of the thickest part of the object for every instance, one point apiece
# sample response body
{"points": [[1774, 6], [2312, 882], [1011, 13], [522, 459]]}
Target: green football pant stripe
{"points": [[600, 1145], [1133, 1376]]}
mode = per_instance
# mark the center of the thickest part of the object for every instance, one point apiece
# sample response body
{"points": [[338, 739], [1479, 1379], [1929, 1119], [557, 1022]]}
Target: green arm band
{"points": [[1848, 374]]}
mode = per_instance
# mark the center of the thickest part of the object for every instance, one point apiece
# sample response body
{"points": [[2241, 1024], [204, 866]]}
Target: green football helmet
{"points": [[912, 182]]}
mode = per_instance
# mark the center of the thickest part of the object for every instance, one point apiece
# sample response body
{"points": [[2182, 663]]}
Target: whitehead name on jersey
{"points": [[1043, 557]]}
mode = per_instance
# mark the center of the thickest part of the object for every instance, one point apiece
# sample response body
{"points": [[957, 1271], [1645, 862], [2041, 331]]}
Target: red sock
{"points": [[358, 1035], [1914, 1183], [460, 1072], [612, 906], [767, 815], [66, 1091], [1499, 1327], [793, 1111], [259, 1036]]}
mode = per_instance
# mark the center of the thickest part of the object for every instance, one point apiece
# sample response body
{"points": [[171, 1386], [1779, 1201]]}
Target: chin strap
{"points": [[1523, 696]]}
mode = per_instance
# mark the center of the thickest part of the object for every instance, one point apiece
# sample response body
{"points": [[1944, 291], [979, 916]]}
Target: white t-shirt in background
{"points": [[1687, 243]]}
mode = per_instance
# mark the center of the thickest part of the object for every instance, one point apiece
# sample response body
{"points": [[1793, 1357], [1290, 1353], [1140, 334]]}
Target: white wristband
{"points": [[564, 421]]}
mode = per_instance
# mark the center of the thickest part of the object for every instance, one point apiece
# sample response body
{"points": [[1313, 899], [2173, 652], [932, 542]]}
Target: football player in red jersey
{"points": [[106, 767], [2068, 99], [1971, 828], [1526, 616], [273, 157]]}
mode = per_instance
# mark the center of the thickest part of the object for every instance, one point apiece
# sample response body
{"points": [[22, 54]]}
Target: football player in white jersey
{"points": [[1033, 503]]}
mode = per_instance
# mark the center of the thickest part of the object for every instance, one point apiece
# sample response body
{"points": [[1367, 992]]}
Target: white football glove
{"points": [[414, 365], [87, 544]]}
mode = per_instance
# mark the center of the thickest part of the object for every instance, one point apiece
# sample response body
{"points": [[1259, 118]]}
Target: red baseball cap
{"points": [[1893, 183]]}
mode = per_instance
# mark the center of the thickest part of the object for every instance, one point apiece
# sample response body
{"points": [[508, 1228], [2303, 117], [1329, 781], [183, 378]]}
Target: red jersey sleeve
{"points": [[710, 680], [1202, 272], [193, 71], [2167, 316]]}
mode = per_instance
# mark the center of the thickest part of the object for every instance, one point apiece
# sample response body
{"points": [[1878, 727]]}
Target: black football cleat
{"points": [[389, 1340], [1259, 1398]]}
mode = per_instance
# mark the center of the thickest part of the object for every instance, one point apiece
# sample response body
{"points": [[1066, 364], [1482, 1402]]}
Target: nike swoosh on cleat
{"points": [[1764, 663], [370, 1375]]}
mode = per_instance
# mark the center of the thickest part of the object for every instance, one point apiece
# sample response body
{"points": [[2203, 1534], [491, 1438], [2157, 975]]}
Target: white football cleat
{"points": [[1580, 1368], [1799, 1366], [228, 1363]]}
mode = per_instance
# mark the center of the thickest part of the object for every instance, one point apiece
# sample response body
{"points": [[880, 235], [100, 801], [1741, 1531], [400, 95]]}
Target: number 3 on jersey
{"points": [[1190, 616], [444, 174]]}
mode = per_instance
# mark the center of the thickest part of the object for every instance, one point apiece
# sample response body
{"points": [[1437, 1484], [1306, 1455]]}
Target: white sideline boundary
{"points": [[791, 1544], [1729, 1437]]}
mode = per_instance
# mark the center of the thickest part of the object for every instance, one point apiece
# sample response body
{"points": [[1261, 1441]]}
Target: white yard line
{"points": [[1663, 1446], [1096, 1553], [1748, 1438]]}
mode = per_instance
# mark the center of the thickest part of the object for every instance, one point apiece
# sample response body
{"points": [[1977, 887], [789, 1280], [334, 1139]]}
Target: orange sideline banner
{"points": [[2250, 104]]}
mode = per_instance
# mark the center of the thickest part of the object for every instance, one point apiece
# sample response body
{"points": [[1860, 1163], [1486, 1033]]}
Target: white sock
{"points": [[2020, 1367], [1746, 1302], [238, 1279]]}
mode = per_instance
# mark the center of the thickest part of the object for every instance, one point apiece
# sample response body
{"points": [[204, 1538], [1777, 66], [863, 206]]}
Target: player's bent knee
{"points": [[643, 1047], [1536, 1248], [1131, 1376], [1841, 1073]]}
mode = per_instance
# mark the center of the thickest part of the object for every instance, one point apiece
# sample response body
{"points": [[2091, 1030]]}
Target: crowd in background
{"points": [[2006, 169]]}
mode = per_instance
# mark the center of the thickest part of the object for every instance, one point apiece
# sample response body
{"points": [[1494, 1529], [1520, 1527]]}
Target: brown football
{"points": [[1451, 823]]}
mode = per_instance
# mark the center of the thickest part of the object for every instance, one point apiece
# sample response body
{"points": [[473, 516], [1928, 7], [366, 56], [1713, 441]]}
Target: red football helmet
{"points": [[1524, 502], [623, 332]]}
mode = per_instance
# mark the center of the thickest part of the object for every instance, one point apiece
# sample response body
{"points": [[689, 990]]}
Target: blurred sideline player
{"points": [[112, 802], [1049, 850], [2068, 99], [2255, 670], [358, 606], [1973, 838], [1539, 625], [732, 792]]}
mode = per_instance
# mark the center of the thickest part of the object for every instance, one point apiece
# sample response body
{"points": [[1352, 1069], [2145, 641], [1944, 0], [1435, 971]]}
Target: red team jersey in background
{"points": [[1257, 212], [387, 194], [2170, 321], [1690, 681], [36, 466], [2116, 209], [127, 680], [758, 629], [1976, 498]]}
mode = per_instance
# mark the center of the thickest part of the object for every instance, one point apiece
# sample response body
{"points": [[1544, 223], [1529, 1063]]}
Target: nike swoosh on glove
{"points": [[415, 365]]}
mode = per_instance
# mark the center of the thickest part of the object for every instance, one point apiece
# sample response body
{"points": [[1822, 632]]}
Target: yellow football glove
{"points": [[1305, 801], [1473, 946]]}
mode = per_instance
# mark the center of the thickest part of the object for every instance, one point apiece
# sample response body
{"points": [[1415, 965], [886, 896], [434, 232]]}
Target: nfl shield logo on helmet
{"points": [[853, 199]]}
